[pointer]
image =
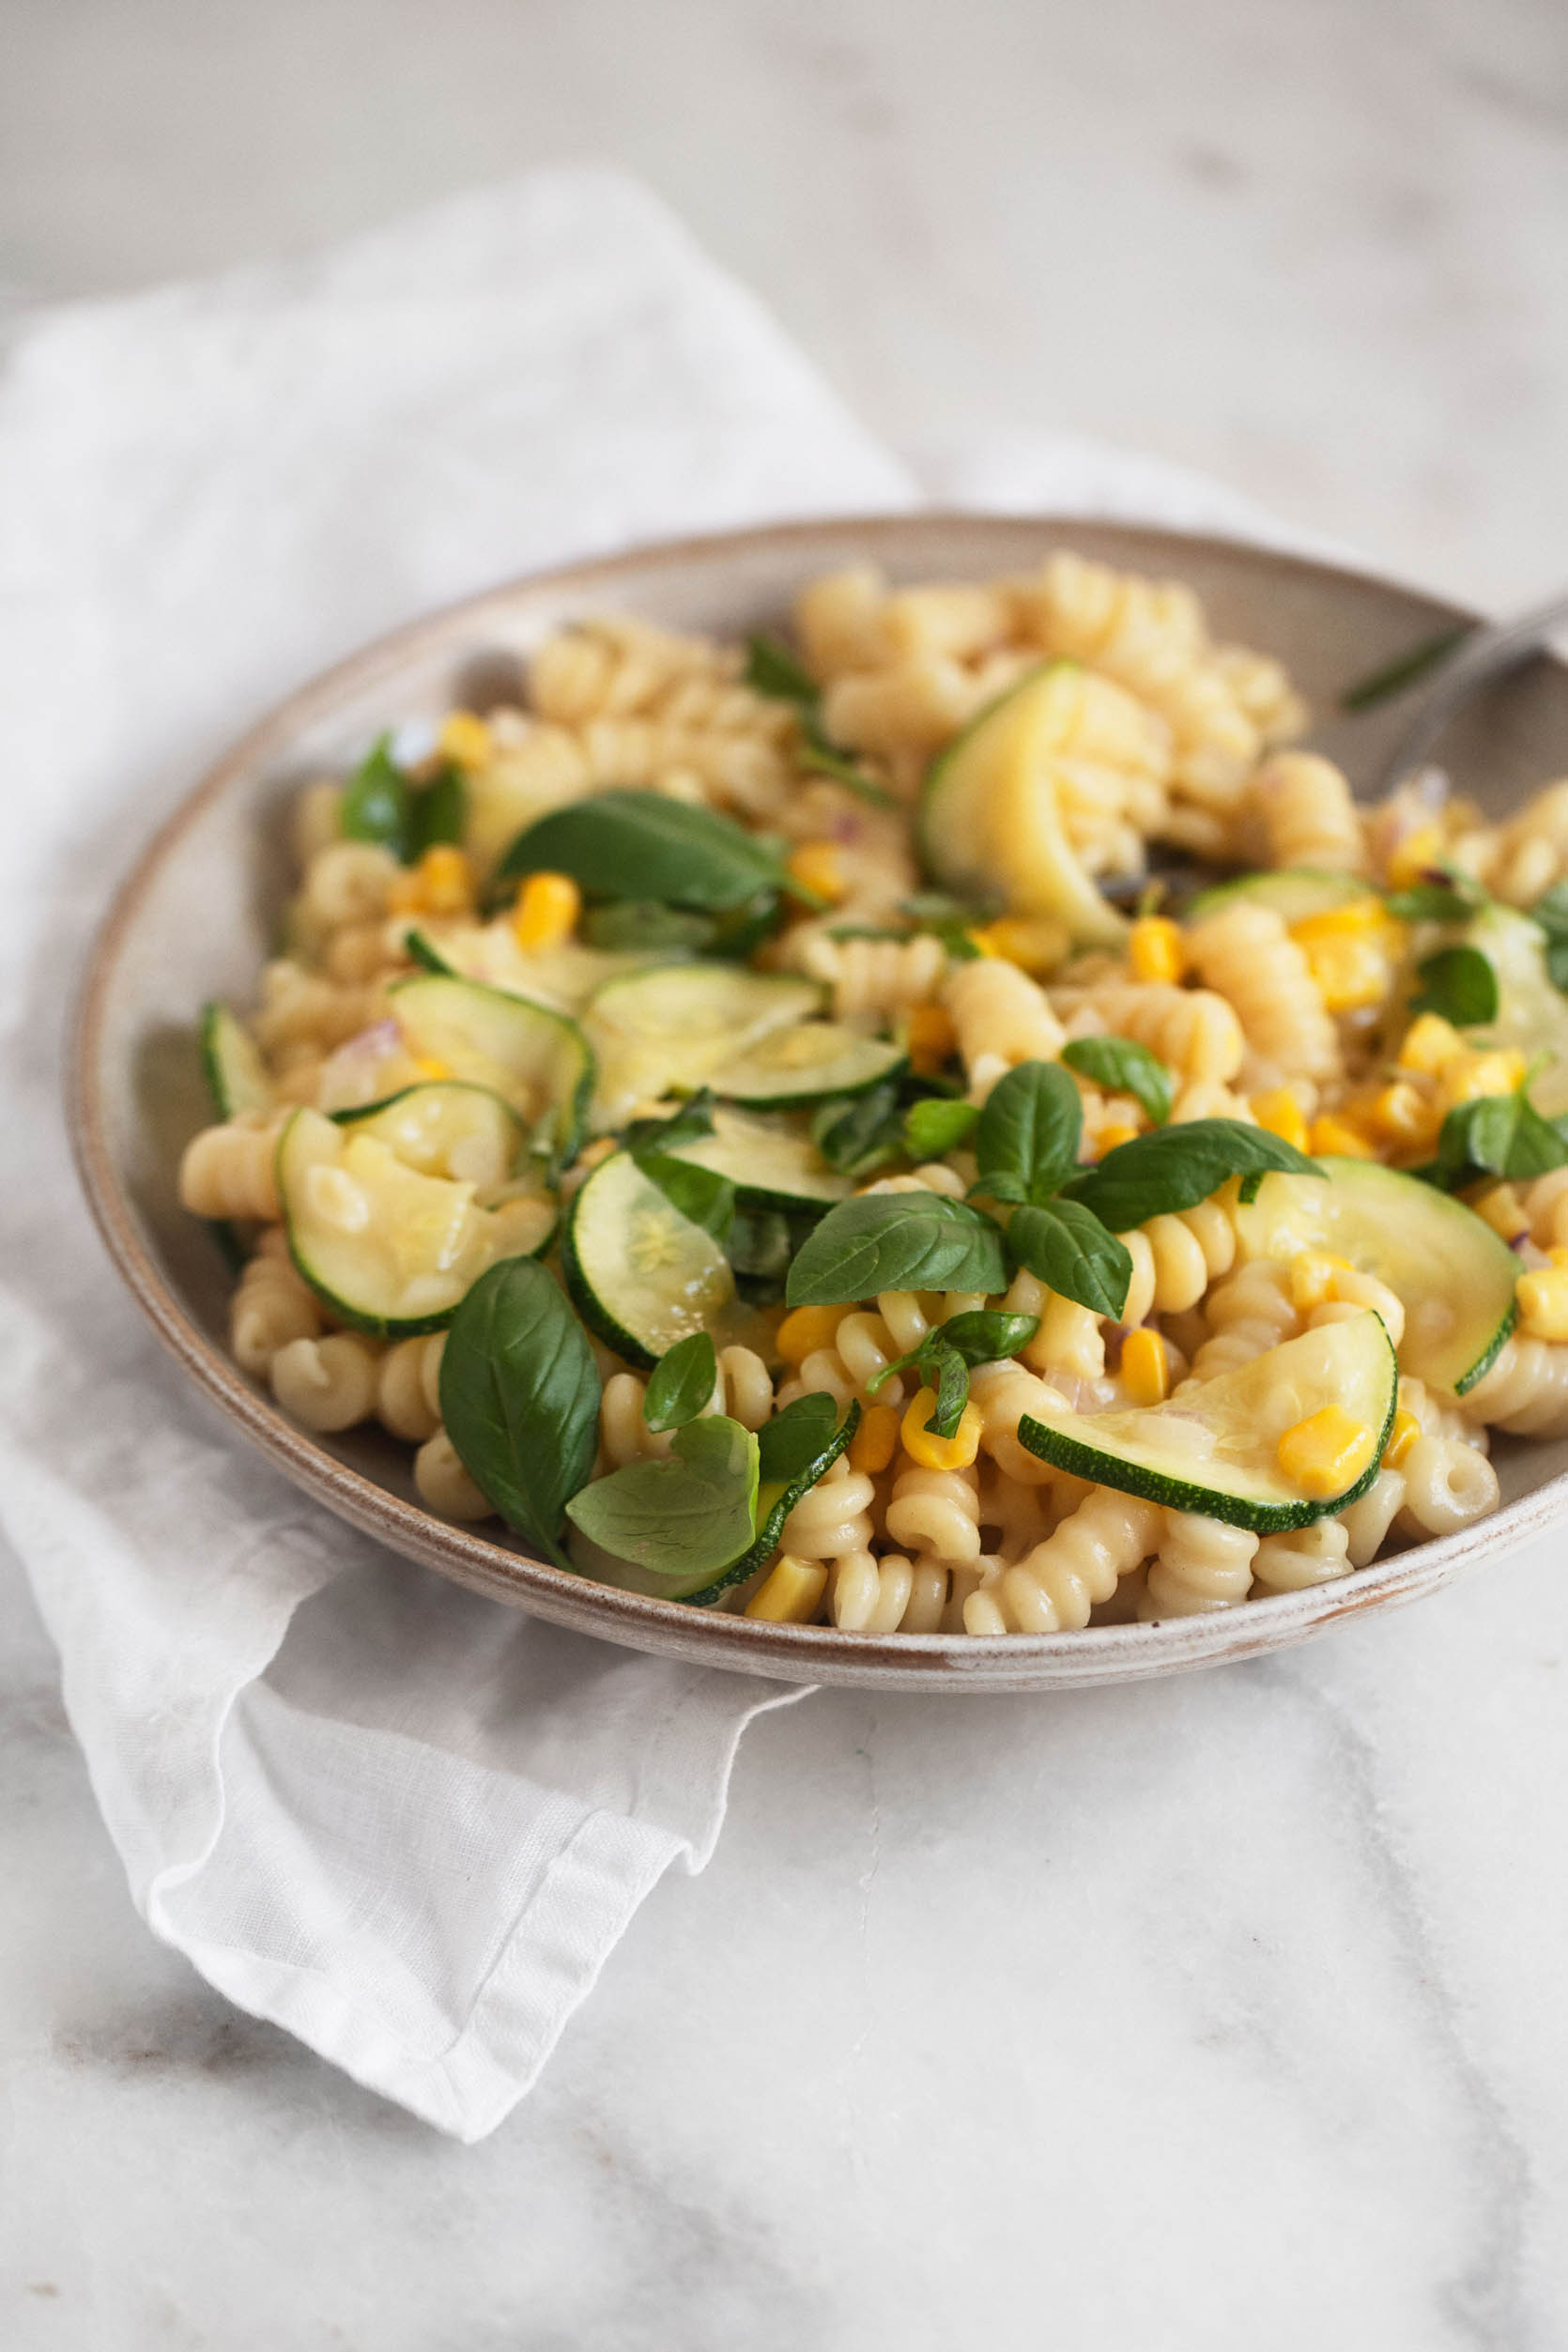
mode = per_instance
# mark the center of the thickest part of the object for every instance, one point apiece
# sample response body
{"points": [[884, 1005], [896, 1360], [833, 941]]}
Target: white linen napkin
{"points": [[404, 1824]]}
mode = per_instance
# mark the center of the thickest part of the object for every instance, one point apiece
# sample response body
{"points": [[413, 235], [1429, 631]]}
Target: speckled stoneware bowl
{"points": [[194, 919]]}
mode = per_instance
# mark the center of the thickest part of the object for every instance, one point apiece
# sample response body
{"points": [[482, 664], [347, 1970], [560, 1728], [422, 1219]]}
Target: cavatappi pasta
{"points": [[860, 883]]}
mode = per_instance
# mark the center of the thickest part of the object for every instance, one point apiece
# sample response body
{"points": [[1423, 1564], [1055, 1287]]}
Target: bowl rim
{"points": [[795, 1653]]}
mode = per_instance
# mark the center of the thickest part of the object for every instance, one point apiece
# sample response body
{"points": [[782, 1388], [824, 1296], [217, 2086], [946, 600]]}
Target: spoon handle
{"points": [[1486, 653]]}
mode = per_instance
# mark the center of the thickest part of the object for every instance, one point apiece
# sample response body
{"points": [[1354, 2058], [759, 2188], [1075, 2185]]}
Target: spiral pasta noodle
{"points": [[1053, 1587], [1200, 1565], [1000, 1017], [1193, 1031], [231, 1170], [1302, 1557], [1247, 956], [1307, 813], [876, 979]]}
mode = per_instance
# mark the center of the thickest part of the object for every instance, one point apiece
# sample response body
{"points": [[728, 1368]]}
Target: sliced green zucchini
{"points": [[803, 1064], [563, 978], [990, 817], [447, 1128], [1213, 1447], [1292, 891], [640, 1274], [772, 1164], [235, 1074], [1532, 1013], [390, 1250], [1454, 1276], [666, 1030], [536, 1060]]}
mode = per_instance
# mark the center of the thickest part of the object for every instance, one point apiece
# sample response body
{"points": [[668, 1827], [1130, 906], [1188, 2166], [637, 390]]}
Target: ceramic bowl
{"points": [[193, 920]]}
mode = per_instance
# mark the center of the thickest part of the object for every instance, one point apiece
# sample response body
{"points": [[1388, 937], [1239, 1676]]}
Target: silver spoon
{"points": [[1484, 655]]}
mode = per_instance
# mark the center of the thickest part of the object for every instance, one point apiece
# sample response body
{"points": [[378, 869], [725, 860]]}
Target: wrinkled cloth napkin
{"points": [[404, 1824]]}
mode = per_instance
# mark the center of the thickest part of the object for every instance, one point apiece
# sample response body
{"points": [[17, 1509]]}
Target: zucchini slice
{"points": [[1293, 891], [562, 978], [771, 1163], [666, 1030], [1454, 1276], [640, 1274], [236, 1075], [390, 1250], [1212, 1447], [803, 1064], [535, 1059], [990, 820], [446, 1127], [1532, 1013]]}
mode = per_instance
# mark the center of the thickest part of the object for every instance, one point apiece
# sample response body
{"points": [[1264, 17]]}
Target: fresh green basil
{"points": [[1502, 1135], [643, 845], [1026, 1141], [1067, 1248], [688, 1517], [857, 1134], [951, 920], [1391, 678], [643, 924], [376, 802], [1454, 901], [519, 1398], [1126, 1068], [436, 811], [688, 1125], [700, 1195], [760, 1245], [1551, 913], [772, 669], [1177, 1167], [794, 1438], [681, 1385], [945, 1356], [897, 1241], [1458, 983], [935, 1126]]}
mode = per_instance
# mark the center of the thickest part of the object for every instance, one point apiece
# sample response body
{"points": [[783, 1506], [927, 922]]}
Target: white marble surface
{"points": [[1205, 2014]]}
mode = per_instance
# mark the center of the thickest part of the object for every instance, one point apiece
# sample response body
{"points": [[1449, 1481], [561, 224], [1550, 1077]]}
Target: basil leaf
{"points": [[772, 669], [376, 802], [1459, 983], [1452, 901], [897, 1241], [435, 812], [984, 1334], [760, 1245], [688, 1517], [824, 758], [948, 1374], [1026, 1142], [1381, 684], [1069, 1249], [1551, 913], [1177, 1167], [680, 1383], [1126, 1068], [1501, 1135], [702, 1195], [642, 845], [935, 1127], [857, 1133], [688, 1125], [792, 1439], [636, 924], [519, 1398]]}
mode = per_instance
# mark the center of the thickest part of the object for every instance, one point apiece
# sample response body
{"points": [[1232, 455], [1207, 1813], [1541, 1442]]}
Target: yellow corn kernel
{"points": [[1311, 1277], [445, 880], [1331, 1133], [1029, 941], [1106, 1138], [546, 911], [1542, 1300], [1416, 856], [1357, 915], [430, 1069], [1503, 1209], [805, 1329], [1348, 953], [1401, 1114], [940, 1454], [1145, 1368], [1325, 1453], [930, 1038], [876, 1440], [792, 1592], [465, 738], [818, 867], [1473, 1075], [1282, 1114], [1402, 1437], [1430, 1044], [1156, 949]]}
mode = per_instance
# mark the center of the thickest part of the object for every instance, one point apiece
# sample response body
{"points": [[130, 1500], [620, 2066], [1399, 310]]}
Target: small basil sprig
{"points": [[1458, 983], [1124, 1066], [1453, 899], [688, 1125], [382, 803], [644, 925], [948, 1353], [760, 1246], [519, 1398], [700, 1195], [772, 669], [857, 1134], [642, 845], [1177, 1167], [897, 1241], [1026, 1140], [682, 1383], [936, 1126], [688, 1516], [1501, 1135], [1551, 913], [792, 1439], [951, 920], [1066, 1247], [435, 812]]}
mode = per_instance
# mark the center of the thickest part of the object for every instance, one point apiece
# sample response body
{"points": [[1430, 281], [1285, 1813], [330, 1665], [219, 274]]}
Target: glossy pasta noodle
{"points": [[420, 1093]]}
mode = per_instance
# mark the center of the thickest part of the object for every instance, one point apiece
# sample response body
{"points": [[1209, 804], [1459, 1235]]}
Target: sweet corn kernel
{"points": [[818, 867], [1032, 942], [429, 1067], [1282, 1114], [1416, 856], [546, 912], [1145, 1368], [1401, 1114], [1503, 1209], [465, 738], [792, 1592], [940, 1454], [1352, 968], [1325, 1453], [930, 1038], [1542, 1300], [445, 880], [1473, 1075], [1106, 1138], [1333, 922], [1156, 949], [805, 1329], [1403, 1436], [1311, 1277], [1430, 1044], [876, 1440], [1333, 1133]]}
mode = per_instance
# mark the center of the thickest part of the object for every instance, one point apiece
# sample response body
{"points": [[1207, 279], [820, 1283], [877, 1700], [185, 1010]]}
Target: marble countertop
{"points": [[1200, 2014]]}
